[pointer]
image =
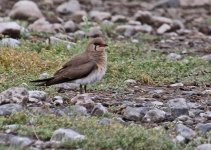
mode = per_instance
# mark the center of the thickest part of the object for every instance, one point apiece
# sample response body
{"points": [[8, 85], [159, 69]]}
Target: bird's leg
{"points": [[81, 89], [85, 88]]}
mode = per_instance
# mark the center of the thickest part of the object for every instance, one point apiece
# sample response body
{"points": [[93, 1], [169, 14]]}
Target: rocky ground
{"points": [[156, 93]]}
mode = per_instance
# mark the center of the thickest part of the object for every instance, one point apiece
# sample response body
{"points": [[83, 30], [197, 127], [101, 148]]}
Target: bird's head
{"points": [[96, 45]]}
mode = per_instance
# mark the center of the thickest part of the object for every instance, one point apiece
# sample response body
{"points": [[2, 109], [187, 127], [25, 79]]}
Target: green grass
{"points": [[126, 60], [111, 136]]}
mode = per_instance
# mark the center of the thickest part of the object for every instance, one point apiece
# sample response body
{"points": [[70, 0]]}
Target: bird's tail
{"points": [[43, 82]]}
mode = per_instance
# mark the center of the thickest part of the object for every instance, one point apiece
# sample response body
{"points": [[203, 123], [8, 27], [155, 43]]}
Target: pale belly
{"points": [[92, 77]]}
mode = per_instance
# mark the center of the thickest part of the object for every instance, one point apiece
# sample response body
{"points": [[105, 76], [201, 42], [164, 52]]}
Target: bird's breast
{"points": [[94, 76]]}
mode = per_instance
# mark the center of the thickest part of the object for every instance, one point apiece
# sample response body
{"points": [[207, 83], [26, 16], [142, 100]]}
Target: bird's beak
{"points": [[105, 45]]}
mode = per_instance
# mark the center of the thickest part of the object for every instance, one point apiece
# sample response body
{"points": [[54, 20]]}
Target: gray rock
{"points": [[78, 110], [14, 95], [207, 115], [64, 135], [207, 57], [70, 26], [99, 110], [21, 142], [143, 17], [194, 3], [144, 28], [185, 131], [58, 100], [104, 121], [119, 19], [83, 100], [68, 7], [180, 138], [158, 21], [11, 128], [206, 92], [44, 75], [77, 16], [41, 25], [9, 42], [95, 32], [130, 81], [10, 28], [204, 128], [174, 56], [4, 138], [156, 103], [155, 115], [163, 28], [7, 109], [204, 147], [54, 41], [177, 85], [99, 16], [135, 114], [178, 106], [79, 34], [25, 10], [39, 95]]}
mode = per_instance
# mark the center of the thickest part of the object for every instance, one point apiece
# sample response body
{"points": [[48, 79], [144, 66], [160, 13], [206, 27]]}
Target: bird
{"points": [[84, 68]]}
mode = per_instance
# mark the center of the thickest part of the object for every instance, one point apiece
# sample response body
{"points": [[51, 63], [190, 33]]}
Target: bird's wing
{"points": [[75, 61], [73, 73]]}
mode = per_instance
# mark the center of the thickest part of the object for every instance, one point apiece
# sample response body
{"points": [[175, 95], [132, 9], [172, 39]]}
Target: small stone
{"points": [[64, 135], [143, 17], [77, 16], [58, 100], [8, 109], [69, 7], [104, 121], [177, 85], [204, 147], [155, 115], [183, 118], [83, 100], [206, 92], [94, 32], [158, 21], [204, 128], [10, 28], [40, 95], [163, 28], [99, 110], [126, 30], [4, 138], [130, 81], [44, 75], [134, 114], [11, 128], [180, 138], [14, 95], [174, 56], [70, 26], [185, 131], [26, 10], [79, 34], [41, 25], [194, 3], [9, 42], [78, 110], [119, 19], [207, 57], [144, 28], [22, 142], [54, 40], [99, 16], [156, 103], [178, 106]]}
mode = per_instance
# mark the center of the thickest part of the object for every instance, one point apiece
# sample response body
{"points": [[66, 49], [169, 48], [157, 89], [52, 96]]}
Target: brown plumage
{"points": [[84, 68]]}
